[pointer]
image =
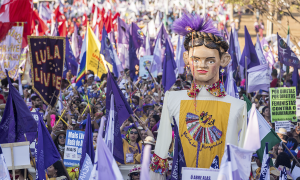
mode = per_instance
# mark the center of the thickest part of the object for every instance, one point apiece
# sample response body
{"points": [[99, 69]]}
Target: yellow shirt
{"points": [[131, 152]]}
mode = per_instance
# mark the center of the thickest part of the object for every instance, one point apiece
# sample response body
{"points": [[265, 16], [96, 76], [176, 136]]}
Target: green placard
{"points": [[283, 104]]}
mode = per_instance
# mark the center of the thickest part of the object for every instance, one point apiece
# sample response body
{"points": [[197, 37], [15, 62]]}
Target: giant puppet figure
{"points": [[206, 117]]}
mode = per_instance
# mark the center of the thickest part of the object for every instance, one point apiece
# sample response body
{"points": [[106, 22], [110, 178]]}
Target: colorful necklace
{"points": [[217, 89]]}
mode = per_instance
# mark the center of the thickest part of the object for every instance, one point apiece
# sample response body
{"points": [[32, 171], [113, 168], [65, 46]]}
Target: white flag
{"points": [[252, 139], [236, 163], [4, 175], [265, 166]]}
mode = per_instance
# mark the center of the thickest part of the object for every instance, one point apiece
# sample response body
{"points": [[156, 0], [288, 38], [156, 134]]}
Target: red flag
{"points": [[42, 27], [5, 27], [18, 11], [62, 29], [58, 16], [108, 23], [84, 20]]}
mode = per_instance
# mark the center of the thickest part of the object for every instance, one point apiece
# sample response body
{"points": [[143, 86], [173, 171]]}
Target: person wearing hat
{"points": [[134, 173], [59, 139], [282, 134]]}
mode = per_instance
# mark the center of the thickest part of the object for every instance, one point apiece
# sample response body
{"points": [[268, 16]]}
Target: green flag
{"points": [[266, 133]]}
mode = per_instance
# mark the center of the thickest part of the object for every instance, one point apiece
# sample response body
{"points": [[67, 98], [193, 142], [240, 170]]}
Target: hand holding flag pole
{"points": [[151, 75]]}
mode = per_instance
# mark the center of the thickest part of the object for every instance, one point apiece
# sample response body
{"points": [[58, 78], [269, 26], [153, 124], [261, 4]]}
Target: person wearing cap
{"points": [[134, 173]]}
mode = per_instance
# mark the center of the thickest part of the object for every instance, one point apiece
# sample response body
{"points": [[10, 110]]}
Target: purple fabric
{"points": [[267, 52], [107, 51], [295, 79], [178, 158], [286, 55], [249, 52], [196, 23], [105, 158], [123, 32], [87, 145], [17, 119], [46, 152], [169, 66], [51, 69], [232, 53], [137, 35], [122, 112], [133, 60], [122, 107], [70, 63]]}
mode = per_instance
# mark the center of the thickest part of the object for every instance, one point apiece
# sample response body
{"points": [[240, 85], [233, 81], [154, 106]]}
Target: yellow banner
{"points": [[93, 60]]}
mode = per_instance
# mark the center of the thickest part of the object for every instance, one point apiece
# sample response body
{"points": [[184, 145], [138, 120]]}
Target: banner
{"points": [[199, 173], [283, 104], [283, 124], [145, 61], [47, 56], [10, 50], [258, 78], [73, 148]]}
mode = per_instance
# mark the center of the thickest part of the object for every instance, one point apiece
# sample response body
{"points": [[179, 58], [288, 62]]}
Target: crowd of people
{"points": [[145, 97]]}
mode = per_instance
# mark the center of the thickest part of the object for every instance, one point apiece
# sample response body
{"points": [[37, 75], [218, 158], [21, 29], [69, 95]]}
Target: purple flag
{"points": [[249, 52], [123, 111], [17, 119], [107, 51], [159, 50], [46, 152], [232, 52], [107, 166], [286, 55], [259, 51], [133, 60], [137, 35], [122, 107], [295, 79], [70, 63], [87, 145], [169, 66], [267, 52], [123, 32], [47, 61], [178, 159]]}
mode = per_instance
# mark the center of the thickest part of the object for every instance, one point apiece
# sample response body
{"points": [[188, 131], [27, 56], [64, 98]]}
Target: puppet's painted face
{"points": [[205, 64]]}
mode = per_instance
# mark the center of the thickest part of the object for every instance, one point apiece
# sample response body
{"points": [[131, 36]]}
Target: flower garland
{"points": [[217, 89], [159, 165]]}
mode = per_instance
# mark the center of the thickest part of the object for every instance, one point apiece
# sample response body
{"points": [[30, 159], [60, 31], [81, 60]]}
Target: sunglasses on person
{"points": [[133, 132], [136, 174], [62, 137]]}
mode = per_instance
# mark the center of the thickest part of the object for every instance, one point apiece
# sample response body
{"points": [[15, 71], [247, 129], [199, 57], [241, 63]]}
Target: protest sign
{"points": [[47, 56], [199, 173], [145, 61], [283, 104], [10, 50], [73, 148], [282, 124]]}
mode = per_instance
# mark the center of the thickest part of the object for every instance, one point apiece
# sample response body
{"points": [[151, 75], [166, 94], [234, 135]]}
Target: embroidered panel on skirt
{"points": [[208, 127]]}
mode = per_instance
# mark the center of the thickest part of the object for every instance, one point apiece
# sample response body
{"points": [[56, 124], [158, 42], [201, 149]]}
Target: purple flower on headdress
{"points": [[189, 22]]}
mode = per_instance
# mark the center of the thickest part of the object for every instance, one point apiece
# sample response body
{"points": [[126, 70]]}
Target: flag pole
{"points": [[246, 86], [291, 154]]}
